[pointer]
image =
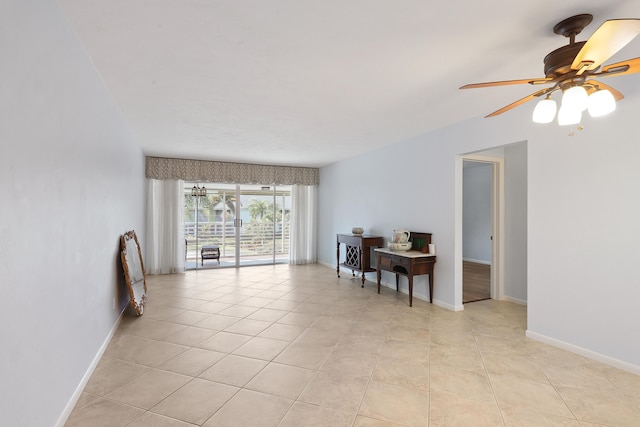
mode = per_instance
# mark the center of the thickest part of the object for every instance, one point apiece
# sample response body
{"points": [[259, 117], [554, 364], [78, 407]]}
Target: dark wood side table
{"points": [[408, 264], [358, 252]]}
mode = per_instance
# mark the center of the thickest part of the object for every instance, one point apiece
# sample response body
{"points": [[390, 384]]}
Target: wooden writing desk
{"points": [[408, 264]]}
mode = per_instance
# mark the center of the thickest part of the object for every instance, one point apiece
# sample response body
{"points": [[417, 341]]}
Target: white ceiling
{"points": [[308, 83]]}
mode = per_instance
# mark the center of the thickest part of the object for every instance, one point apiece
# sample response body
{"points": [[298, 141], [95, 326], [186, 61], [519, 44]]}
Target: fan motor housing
{"points": [[558, 62]]}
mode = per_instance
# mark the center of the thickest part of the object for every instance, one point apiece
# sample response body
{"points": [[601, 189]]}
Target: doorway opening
{"points": [[478, 217], [232, 225], [482, 232]]}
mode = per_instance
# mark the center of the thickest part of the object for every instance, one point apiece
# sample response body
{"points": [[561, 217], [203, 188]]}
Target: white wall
{"points": [[477, 208], [71, 181], [583, 251], [515, 222], [582, 209]]}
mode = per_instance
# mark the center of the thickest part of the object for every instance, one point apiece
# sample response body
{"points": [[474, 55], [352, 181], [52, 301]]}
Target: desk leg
{"points": [[361, 265], [338, 259], [410, 277], [397, 280], [431, 286], [378, 274]]}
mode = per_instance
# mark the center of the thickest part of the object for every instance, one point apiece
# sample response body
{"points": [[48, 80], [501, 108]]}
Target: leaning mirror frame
{"points": [[131, 256]]}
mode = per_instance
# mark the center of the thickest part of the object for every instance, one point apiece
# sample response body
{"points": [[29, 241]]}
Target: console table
{"points": [[358, 252], [408, 264]]}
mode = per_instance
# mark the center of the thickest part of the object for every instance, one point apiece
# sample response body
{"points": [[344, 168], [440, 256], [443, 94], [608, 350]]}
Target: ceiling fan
{"points": [[572, 69]]}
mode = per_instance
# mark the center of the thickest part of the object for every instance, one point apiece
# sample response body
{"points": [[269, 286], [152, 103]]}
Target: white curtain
{"points": [[165, 227], [304, 224]]}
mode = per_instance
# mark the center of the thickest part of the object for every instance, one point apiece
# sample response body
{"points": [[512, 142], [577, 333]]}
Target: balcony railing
{"points": [[256, 238]]}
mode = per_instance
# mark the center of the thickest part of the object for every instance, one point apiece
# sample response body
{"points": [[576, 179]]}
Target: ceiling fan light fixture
{"points": [[601, 102], [575, 98], [545, 111], [569, 116], [572, 69]]}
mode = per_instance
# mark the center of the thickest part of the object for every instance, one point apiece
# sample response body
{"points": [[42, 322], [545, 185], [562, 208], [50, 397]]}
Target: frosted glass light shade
{"points": [[575, 98], [545, 111], [569, 116], [601, 102]]}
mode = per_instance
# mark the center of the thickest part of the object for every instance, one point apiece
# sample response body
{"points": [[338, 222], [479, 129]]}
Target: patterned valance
{"points": [[232, 173]]}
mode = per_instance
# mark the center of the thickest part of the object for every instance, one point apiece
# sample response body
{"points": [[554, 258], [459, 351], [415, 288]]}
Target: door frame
{"points": [[497, 252]]}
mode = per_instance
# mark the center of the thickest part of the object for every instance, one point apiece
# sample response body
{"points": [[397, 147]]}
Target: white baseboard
{"points": [[421, 297], [448, 306], [607, 360], [326, 264], [87, 375], [514, 300], [393, 286]]}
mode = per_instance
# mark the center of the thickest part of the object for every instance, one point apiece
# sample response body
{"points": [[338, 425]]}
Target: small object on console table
{"points": [[358, 254], [411, 263]]}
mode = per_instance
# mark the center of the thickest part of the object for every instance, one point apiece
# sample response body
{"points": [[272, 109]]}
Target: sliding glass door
{"points": [[234, 225], [264, 224]]}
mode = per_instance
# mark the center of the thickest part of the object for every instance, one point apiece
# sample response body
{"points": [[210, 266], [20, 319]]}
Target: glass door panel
{"points": [[222, 201], [209, 216], [264, 219]]}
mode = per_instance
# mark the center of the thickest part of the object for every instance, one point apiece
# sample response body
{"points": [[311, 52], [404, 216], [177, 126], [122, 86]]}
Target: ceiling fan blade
{"points": [[596, 84], [520, 101], [629, 66], [541, 80], [608, 39]]}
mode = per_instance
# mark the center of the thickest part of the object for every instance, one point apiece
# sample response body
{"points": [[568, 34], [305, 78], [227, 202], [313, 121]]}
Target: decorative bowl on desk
{"points": [[399, 246], [358, 231]]}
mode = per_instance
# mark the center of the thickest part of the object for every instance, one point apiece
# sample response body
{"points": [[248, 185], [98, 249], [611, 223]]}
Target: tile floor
{"points": [[294, 346]]}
